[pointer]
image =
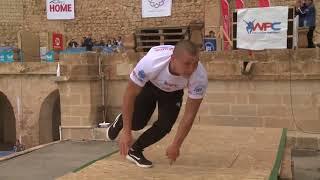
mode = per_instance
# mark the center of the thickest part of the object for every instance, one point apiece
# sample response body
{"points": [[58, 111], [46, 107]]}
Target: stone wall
{"points": [[103, 18], [11, 20], [26, 88], [261, 99]]}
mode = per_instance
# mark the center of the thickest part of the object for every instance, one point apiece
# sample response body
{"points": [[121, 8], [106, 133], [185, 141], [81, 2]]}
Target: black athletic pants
{"points": [[169, 104], [310, 37]]}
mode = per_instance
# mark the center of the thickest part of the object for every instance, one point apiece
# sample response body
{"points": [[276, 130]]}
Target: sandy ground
{"points": [[209, 152]]}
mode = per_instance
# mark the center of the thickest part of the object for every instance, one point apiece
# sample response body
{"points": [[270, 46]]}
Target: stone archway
{"points": [[7, 124], [50, 118]]}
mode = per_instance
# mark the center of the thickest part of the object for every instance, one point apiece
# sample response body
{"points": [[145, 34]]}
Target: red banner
{"points": [[57, 41], [226, 23], [264, 3], [239, 4]]}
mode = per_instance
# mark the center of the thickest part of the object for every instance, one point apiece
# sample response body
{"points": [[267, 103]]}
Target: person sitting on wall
{"points": [[72, 44], [114, 43], [109, 43]]}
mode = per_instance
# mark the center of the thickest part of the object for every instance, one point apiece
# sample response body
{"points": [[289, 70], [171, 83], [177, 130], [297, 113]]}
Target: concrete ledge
{"points": [[300, 140], [28, 151]]}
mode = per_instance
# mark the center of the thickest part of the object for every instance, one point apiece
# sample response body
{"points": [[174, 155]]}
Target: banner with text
{"points": [[60, 9], [262, 28], [156, 8], [57, 40]]}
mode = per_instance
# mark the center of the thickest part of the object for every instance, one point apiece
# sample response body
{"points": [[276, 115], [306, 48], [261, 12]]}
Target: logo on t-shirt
{"points": [[141, 74], [171, 85], [199, 90]]}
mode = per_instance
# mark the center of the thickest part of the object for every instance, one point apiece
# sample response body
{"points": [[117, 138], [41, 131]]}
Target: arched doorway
{"points": [[50, 118], [7, 124]]}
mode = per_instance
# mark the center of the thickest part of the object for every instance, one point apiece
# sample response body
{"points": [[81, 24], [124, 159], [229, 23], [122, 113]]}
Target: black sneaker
{"points": [[138, 158], [114, 128]]}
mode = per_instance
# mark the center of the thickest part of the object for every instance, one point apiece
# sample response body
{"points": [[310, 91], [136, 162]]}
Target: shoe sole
{"points": [[134, 161], [107, 133]]}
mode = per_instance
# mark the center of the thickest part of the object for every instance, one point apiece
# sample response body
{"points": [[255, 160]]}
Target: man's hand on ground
{"points": [[173, 152], [125, 142]]}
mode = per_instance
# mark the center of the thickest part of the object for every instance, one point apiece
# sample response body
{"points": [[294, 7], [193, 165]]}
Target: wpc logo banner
{"points": [[262, 28], [60, 9]]}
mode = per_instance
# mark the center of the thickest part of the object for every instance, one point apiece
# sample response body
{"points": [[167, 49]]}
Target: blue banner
{"points": [[6, 56]]}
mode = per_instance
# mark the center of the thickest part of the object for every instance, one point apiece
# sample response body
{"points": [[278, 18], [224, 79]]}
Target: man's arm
{"points": [[185, 125], [128, 104], [192, 107], [127, 110]]}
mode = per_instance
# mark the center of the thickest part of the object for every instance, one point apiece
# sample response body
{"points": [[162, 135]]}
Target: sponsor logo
{"points": [[166, 83], [156, 3], [135, 157], [262, 27], [198, 90], [164, 49], [59, 6], [141, 74]]}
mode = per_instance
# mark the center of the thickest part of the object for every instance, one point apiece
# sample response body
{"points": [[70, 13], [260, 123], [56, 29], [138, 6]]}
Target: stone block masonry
{"points": [[103, 18], [261, 99]]}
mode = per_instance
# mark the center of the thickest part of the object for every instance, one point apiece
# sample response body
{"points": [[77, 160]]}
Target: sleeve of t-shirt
{"points": [[142, 72], [198, 83]]}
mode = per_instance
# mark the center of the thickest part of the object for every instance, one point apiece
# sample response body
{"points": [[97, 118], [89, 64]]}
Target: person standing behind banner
{"points": [[300, 7], [310, 18], [309, 15]]}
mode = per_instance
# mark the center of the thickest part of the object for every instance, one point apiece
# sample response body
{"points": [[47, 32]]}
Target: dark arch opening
{"points": [[50, 118], [7, 124]]}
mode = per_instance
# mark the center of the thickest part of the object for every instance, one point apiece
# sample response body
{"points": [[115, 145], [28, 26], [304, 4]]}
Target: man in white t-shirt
{"points": [[159, 78]]}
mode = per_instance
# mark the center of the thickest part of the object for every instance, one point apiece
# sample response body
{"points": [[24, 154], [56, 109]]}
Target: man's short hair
{"points": [[185, 45]]}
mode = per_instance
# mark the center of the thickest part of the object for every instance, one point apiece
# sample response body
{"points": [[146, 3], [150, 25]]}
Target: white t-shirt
{"points": [[154, 67]]}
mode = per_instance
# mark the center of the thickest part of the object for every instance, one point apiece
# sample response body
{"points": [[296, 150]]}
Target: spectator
{"points": [[310, 21], [73, 44], [307, 13], [212, 34], [119, 41], [114, 43], [88, 43], [109, 43], [300, 8], [82, 41]]}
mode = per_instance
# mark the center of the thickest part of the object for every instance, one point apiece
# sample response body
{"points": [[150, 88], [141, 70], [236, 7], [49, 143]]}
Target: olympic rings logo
{"points": [[156, 4]]}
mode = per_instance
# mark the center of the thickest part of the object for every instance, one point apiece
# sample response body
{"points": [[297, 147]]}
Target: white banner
{"points": [[60, 9], [156, 8], [262, 28]]}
